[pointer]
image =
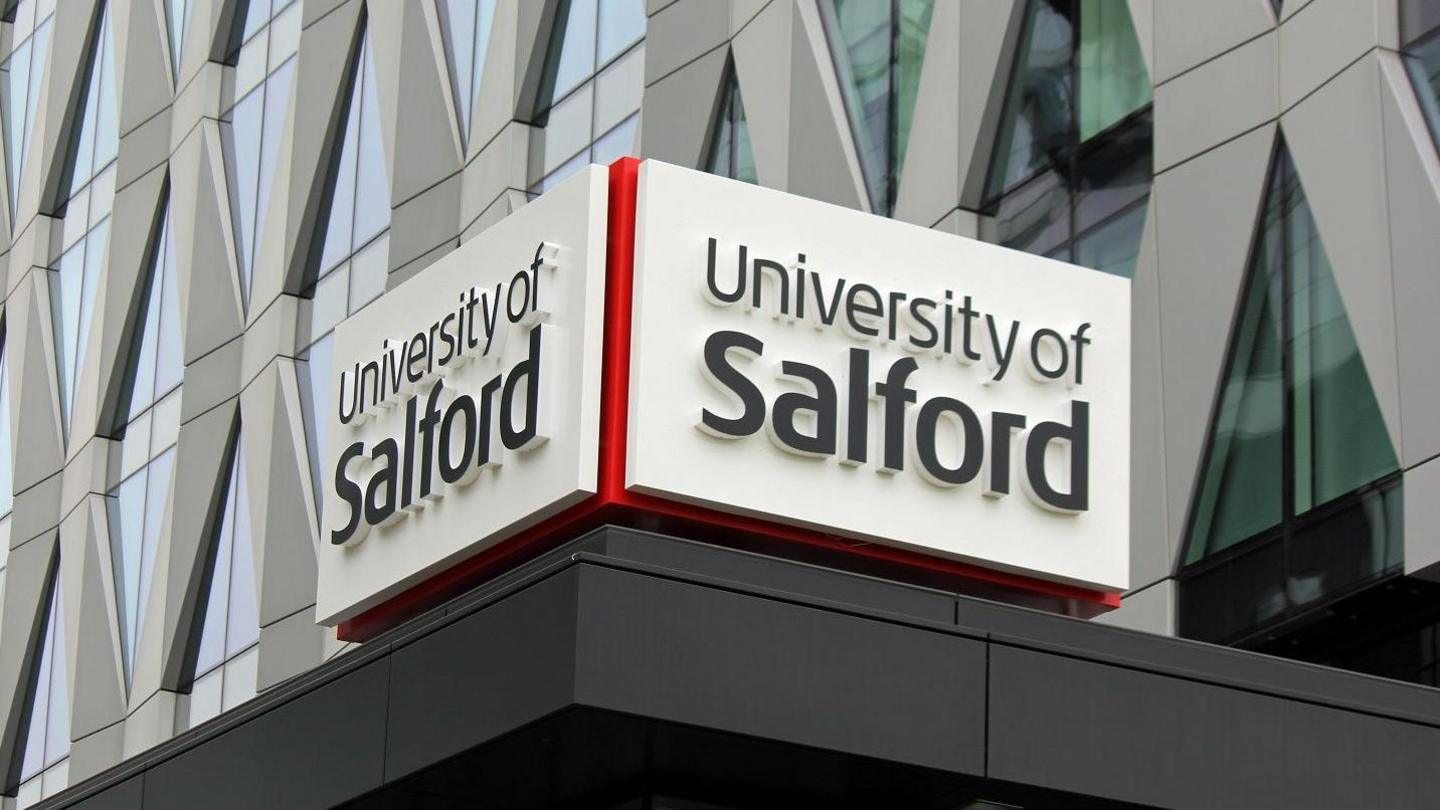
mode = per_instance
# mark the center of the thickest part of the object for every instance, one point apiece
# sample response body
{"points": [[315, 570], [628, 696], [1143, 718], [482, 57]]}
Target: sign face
{"points": [[465, 402], [808, 364]]}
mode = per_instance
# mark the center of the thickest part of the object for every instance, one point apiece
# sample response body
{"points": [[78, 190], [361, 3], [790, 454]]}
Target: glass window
{"points": [[1036, 126], [44, 767], [1297, 424], [1072, 165], [590, 91], [1034, 218], [1242, 493], [878, 49], [1113, 79], [314, 372], [251, 126], [354, 254], [1113, 246], [621, 23], [136, 509], [177, 14], [1418, 18], [1242, 596], [730, 154], [75, 274], [465, 27], [1420, 31], [7, 488], [226, 657], [1375, 642], [577, 50], [20, 76], [7, 457], [149, 425], [1340, 439], [617, 143], [154, 366]]}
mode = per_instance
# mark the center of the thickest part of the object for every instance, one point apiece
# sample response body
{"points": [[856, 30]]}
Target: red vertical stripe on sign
{"points": [[619, 303]]}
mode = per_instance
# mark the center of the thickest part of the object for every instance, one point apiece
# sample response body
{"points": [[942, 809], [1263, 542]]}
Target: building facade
{"points": [[197, 191]]}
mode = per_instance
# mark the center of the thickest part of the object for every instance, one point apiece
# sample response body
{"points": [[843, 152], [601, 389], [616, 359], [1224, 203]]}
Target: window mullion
{"points": [[1287, 375], [892, 113], [1073, 137]]}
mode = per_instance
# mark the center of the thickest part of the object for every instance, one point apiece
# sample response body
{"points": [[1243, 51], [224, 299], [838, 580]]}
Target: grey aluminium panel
{"points": [[755, 571], [126, 795], [735, 662], [691, 642], [487, 673], [1136, 736], [324, 747]]}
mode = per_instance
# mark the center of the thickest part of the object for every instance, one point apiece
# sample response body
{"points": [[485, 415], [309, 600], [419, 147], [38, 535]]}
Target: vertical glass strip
{"points": [[177, 14], [1036, 133], [914, 18], [861, 34], [730, 152], [465, 30], [20, 77], [1113, 78], [1340, 438], [1242, 487]]}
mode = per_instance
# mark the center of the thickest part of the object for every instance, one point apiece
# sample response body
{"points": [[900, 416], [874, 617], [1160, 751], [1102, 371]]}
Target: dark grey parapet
{"points": [[627, 662]]}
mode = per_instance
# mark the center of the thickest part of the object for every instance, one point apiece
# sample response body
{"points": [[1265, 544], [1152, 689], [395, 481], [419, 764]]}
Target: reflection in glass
{"points": [[354, 254], [315, 401], [250, 128], [878, 50], [75, 275], [616, 143], [359, 207], [590, 91], [1240, 598], [1113, 246], [1036, 133], [231, 619], [1242, 493], [1294, 337], [136, 510], [1113, 79], [1422, 61], [465, 29], [1073, 163], [149, 427], [1112, 172], [20, 77], [177, 14], [47, 744], [155, 365], [1341, 441], [730, 153], [99, 137], [7, 457], [576, 60], [1034, 218], [621, 22]]}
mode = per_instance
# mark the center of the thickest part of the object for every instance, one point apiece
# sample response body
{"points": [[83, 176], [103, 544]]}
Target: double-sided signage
{"points": [[669, 341]]}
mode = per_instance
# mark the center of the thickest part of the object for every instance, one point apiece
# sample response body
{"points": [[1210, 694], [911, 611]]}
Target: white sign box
{"points": [[466, 401], [813, 365]]}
